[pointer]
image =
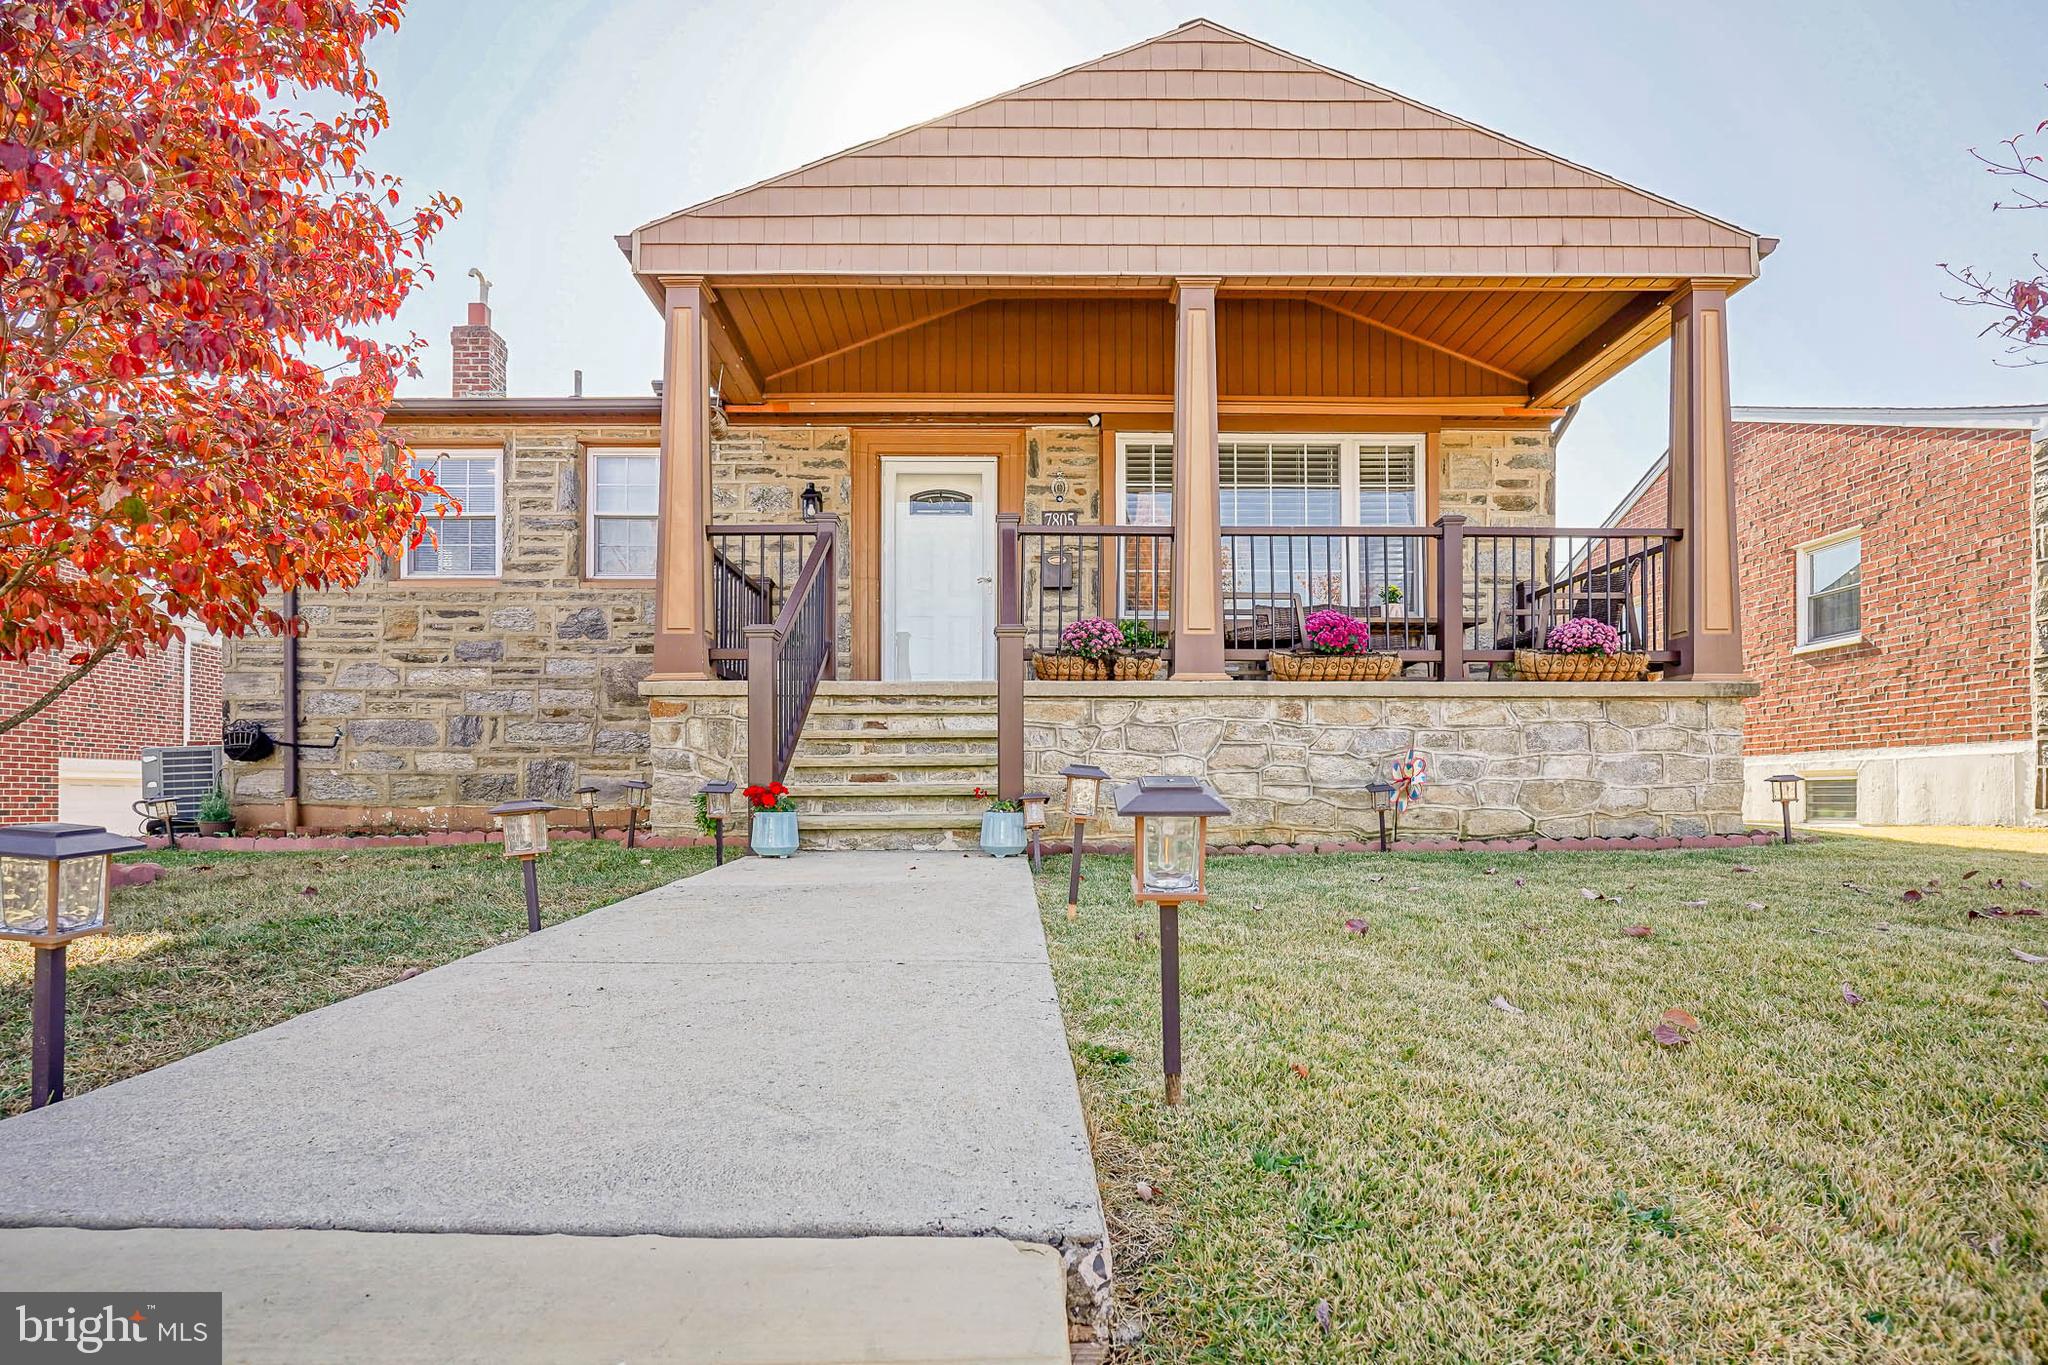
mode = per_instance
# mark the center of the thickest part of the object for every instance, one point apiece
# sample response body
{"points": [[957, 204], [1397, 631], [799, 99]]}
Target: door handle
{"points": [[985, 578]]}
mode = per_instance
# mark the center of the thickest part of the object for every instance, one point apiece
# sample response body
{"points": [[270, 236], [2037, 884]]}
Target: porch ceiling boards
{"points": [[1441, 258]]}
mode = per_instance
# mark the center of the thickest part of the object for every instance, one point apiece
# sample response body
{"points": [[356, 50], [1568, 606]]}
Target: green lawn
{"points": [[1808, 1179], [227, 943]]}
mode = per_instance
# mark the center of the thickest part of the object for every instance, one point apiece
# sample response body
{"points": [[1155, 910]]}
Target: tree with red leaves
{"points": [[2021, 305], [192, 263]]}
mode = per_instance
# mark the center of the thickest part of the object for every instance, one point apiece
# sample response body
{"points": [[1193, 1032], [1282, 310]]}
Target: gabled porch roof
{"points": [[1200, 153]]}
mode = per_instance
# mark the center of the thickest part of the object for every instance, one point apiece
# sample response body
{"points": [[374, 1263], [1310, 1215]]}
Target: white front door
{"points": [[938, 569]]}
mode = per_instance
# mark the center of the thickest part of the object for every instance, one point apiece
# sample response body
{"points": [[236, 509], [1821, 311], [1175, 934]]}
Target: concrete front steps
{"points": [[886, 765]]}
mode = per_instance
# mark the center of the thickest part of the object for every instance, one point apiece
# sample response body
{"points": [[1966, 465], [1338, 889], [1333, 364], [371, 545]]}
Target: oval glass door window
{"points": [[942, 502]]}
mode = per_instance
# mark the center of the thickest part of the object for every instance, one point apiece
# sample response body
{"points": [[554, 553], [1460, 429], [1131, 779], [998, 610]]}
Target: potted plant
{"points": [[216, 816], [1002, 825], [774, 832], [1086, 648], [1337, 647], [1389, 597], [1143, 656], [1581, 649]]}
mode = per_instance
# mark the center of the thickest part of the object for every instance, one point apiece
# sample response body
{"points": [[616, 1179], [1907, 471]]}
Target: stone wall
{"points": [[450, 697], [1293, 761], [699, 733]]}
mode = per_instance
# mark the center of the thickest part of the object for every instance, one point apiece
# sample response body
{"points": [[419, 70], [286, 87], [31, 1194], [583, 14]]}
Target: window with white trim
{"points": [[463, 527], [1298, 481], [1831, 590], [625, 501]]}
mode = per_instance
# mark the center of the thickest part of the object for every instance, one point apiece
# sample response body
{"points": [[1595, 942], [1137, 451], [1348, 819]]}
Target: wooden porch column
{"points": [[1197, 488], [683, 629], [1705, 607]]}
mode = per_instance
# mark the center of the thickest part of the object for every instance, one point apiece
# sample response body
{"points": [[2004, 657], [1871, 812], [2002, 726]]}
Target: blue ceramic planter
{"points": [[1002, 833], [774, 833]]}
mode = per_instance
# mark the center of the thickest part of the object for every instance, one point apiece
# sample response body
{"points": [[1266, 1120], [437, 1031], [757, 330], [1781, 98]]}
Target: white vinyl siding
{"points": [[463, 528], [625, 492]]}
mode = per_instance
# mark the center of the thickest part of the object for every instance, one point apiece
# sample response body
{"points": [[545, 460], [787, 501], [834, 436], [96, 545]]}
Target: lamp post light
{"points": [[636, 801], [164, 810], [586, 795], [1034, 823], [1169, 867], [1784, 791], [53, 888], [718, 809], [1382, 794], [1084, 798], [526, 838]]}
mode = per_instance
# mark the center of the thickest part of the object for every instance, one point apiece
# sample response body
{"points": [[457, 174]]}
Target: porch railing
{"points": [[786, 658], [1521, 582], [1053, 576], [752, 571]]}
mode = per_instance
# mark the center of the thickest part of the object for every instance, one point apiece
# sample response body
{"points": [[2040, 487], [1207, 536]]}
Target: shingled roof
{"points": [[1198, 152]]}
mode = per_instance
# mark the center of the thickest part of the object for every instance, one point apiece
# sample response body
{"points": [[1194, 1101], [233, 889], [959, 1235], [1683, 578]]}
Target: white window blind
{"points": [[464, 522]]}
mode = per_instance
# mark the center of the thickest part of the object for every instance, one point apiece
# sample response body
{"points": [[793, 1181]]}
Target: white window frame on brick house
{"points": [[650, 456], [1351, 489], [1804, 641], [429, 457]]}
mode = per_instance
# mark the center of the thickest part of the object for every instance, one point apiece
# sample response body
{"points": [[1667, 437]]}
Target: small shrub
{"points": [[1139, 635], [214, 807]]}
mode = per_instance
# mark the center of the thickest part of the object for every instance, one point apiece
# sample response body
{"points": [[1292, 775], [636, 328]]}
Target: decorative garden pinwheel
{"points": [[1410, 774]]}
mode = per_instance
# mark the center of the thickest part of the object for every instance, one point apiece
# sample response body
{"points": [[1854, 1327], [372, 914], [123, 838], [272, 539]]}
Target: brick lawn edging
{"points": [[735, 843], [1607, 844]]}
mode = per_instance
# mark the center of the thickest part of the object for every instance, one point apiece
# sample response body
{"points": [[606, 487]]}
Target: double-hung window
{"points": [[1830, 582], [462, 537], [625, 491], [1333, 481]]}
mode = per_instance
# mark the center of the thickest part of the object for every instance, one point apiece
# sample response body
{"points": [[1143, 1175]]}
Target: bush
{"points": [[214, 808], [1139, 635], [1335, 632]]}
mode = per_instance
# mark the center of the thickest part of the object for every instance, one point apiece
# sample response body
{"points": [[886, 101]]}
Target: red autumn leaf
{"points": [[310, 891], [1300, 1070], [1678, 1018], [2028, 912], [1912, 895], [1639, 931], [1355, 926], [1849, 995], [1668, 1036]]}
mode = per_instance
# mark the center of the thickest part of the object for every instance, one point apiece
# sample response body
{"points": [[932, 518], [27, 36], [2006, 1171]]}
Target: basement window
{"points": [[1831, 799], [463, 528]]}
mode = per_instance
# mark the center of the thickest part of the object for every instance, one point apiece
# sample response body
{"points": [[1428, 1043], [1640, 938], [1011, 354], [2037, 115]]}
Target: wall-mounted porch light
{"points": [[718, 809], [1084, 798], [636, 801], [526, 838], [1784, 791], [53, 888], [811, 501], [1169, 868]]}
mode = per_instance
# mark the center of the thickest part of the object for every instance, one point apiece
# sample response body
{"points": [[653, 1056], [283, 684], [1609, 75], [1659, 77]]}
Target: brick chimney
{"points": [[478, 349]]}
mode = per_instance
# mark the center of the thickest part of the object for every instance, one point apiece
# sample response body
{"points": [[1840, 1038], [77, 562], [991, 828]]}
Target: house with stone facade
{"points": [[1200, 334], [1895, 609]]}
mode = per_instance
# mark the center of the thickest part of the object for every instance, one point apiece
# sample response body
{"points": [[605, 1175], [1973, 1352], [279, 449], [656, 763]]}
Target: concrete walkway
{"points": [[843, 1045]]}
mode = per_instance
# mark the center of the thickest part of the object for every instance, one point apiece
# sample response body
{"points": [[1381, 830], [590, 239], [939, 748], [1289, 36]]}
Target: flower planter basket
{"points": [[1138, 668], [1536, 665], [1069, 668], [1287, 666]]}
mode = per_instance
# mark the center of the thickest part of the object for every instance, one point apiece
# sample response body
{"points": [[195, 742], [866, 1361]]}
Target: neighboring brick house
{"points": [[1888, 570], [80, 758]]}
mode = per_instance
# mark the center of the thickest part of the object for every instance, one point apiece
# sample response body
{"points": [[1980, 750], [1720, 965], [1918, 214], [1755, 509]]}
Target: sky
{"points": [[1842, 128]]}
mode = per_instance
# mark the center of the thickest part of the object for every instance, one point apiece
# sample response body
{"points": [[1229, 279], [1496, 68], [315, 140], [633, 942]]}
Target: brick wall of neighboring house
{"points": [[1946, 656], [122, 707]]}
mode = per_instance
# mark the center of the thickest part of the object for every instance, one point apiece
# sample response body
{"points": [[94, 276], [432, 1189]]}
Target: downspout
{"points": [[291, 712], [185, 649]]}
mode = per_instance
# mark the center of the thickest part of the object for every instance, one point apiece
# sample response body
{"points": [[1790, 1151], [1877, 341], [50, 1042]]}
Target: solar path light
{"points": [[718, 809], [1784, 791], [526, 838], [1084, 798], [636, 801], [1169, 867]]}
